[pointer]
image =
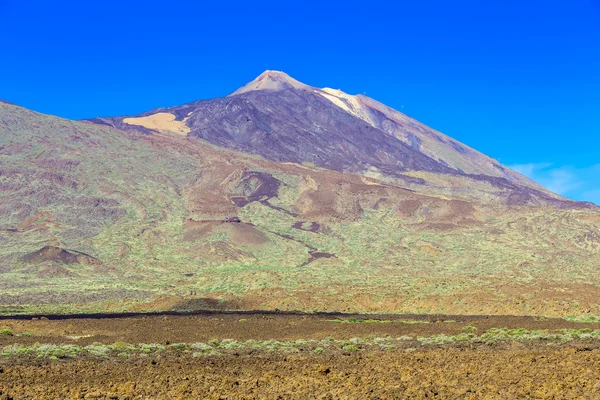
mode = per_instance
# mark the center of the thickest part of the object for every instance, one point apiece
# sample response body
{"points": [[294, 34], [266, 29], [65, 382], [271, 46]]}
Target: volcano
{"points": [[281, 196]]}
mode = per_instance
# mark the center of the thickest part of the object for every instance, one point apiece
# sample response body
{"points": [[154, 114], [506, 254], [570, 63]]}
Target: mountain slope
{"points": [[419, 137], [94, 218], [281, 119]]}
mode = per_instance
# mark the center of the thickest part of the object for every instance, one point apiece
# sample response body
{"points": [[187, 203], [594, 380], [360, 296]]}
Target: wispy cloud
{"points": [[574, 182], [529, 169]]}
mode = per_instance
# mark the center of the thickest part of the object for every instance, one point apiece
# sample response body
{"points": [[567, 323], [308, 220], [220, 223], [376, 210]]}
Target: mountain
{"points": [[278, 197], [281, 119]]}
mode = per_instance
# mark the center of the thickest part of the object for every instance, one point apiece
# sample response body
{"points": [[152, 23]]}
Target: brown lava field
{"points": [[471, 369]]}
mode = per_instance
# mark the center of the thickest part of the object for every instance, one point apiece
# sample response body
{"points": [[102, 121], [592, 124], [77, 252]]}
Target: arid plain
{"points": [[273, 355]]}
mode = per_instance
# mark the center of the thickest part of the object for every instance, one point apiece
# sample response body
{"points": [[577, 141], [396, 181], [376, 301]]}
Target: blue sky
{"points": [[517, 80]]}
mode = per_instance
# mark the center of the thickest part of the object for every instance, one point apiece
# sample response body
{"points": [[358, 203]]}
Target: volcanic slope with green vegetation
{"points": [[98, 219]]}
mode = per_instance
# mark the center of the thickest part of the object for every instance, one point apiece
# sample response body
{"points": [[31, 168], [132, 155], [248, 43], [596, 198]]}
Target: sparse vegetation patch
{"points": [[227, 346]]}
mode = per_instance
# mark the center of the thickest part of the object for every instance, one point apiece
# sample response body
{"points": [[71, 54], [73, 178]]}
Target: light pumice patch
{"points": [[160, 122]]}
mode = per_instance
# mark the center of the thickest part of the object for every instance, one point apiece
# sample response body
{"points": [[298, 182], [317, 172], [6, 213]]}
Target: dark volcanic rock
{"points": [[255, 186], [300, 126]]}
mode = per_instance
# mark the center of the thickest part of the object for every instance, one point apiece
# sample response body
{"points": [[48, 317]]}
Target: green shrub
{"points": [[351, 348], [271, 345], [230, 344], [6, 332], [15, 350], [469, 328], [201, 346], [56, 352], [387, 346], [122, 346], [441, 339], [148, 348], [98, 350], [412, 321], [583, 318]]}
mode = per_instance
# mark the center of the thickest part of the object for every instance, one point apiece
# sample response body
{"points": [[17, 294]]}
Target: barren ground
{"points": [[414, 369]]}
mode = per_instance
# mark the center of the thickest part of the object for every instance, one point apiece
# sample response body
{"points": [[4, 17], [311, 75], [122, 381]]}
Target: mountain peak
{"points": [[274, 74], [271, 81]]}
